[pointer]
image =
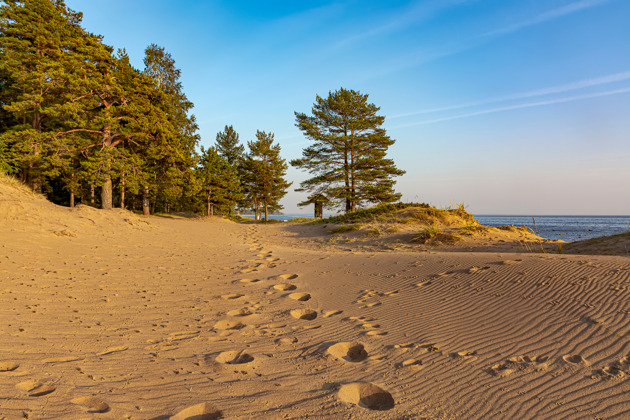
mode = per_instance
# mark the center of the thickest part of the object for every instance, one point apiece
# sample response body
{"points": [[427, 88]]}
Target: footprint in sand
{"points": [[239, 312], [375, 333], [415, 363], [464, 355], [366, 395], [403, 346], [232, 296], [35, 388], [360, 318], [235, 357], [427, 347], [302, 297], [184, 335], [286, 340], [8, 366], [535, 362], [328, 314], [371, 326], [112, 350], [306, 327], [474, 269], [501, 370], [249, 281], [612, 372], [285, 287], [307, 314], [348, 351], [370, 305], [91, 404], [283, 277], [423, 283], [203, 411], [61, 359], [228, 324], [575, 360]]}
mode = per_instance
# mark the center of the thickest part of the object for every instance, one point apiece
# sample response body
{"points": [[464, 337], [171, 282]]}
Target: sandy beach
{"points": [[108, 315]]}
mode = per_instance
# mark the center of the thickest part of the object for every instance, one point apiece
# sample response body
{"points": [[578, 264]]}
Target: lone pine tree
{"points": [[348, 157]]}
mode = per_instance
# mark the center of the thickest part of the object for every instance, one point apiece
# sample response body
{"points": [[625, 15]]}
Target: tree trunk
{"points": [[36, 179], [72, 190], [106, 193], [353, 193], [347, 181], [145, 200], [266, 211], [122, 192], [92, 194], [255, 208]]}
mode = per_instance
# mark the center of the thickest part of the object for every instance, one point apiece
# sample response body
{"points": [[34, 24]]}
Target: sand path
{"points": [[144, 322]]}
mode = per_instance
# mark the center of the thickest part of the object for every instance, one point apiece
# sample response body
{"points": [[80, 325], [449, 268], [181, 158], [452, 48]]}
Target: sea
{"points": [[566, 228]]}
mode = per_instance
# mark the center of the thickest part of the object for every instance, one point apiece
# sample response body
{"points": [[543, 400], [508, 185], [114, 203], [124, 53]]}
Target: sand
{"points": [[107, 315]]}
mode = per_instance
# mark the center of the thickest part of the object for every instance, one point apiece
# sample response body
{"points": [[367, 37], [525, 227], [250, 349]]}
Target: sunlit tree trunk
{"points": [[145, 201]]}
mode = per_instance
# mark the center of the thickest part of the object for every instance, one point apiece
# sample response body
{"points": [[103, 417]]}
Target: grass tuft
{"points": [[345, 228], [426, 235]]}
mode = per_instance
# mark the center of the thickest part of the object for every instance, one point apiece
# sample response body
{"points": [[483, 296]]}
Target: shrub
{"points": [[427, 234]]}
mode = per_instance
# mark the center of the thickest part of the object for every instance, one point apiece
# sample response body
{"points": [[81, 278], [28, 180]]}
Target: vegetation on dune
{"points": [[401, 213], [345, 228]]}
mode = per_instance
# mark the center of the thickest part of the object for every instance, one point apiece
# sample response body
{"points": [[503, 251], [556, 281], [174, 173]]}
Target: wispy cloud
{"points": [[416, 13], [581, 84], [547, 16], [474, 41], [519, 106]]}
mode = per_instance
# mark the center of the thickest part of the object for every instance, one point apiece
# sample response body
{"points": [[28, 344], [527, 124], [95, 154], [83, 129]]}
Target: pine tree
{"points": [[39, 49], [219, 180], [265, 171], [172, 155], [229, 147], [348, 157]]}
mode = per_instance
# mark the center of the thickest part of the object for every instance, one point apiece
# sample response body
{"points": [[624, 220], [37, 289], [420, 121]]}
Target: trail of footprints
{"points": [[367, 395]]}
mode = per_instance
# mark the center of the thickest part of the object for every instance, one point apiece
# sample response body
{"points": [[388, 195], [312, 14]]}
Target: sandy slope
{"points": [[134, 319]]}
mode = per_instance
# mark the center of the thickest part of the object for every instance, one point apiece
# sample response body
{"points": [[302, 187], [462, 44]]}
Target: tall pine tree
{"points": [[171, 157], [348, 156], [229, 147], [265, 171], [40, 45], [219, 180]]}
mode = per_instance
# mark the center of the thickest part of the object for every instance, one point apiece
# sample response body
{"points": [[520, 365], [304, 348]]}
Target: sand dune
{"points": [[151, 318]]}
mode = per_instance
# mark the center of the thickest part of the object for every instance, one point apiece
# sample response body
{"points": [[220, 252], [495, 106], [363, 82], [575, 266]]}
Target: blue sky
{"points": [[509, 106]]}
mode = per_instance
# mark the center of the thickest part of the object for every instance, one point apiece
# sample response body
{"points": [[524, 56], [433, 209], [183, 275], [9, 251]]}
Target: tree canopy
{"points": [[79, 123], [348, 156]]}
